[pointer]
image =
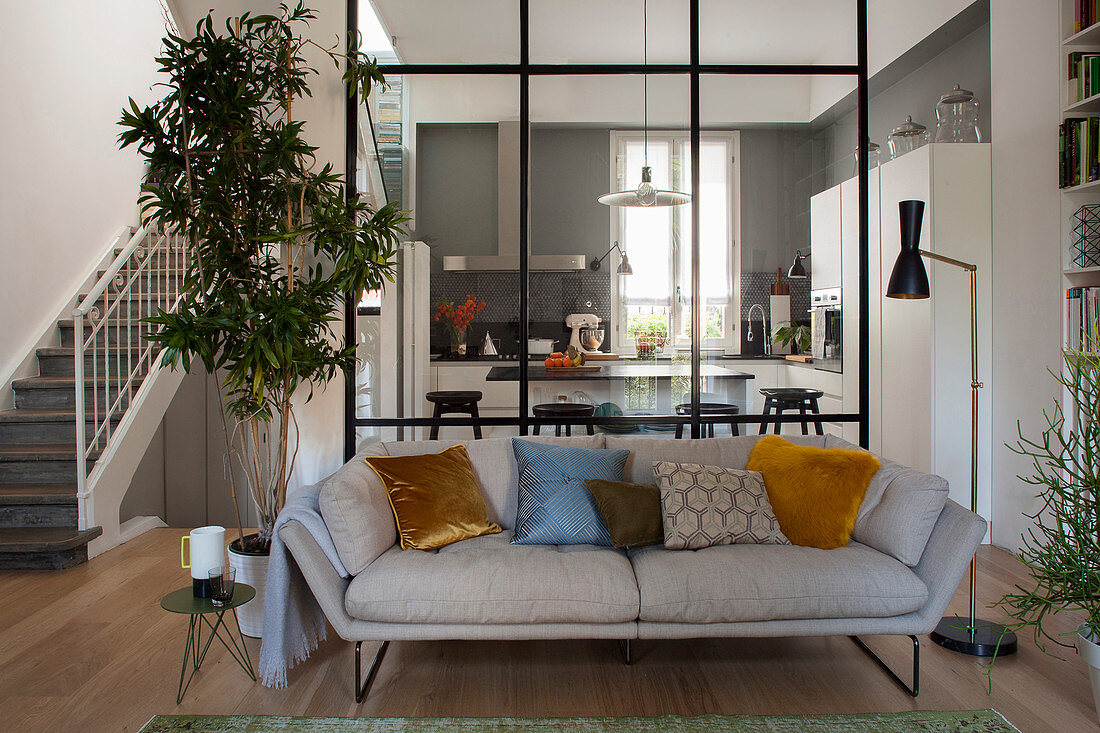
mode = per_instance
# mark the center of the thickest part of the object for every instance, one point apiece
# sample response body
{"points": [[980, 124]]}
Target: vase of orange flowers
{"points": [[455, 319]]}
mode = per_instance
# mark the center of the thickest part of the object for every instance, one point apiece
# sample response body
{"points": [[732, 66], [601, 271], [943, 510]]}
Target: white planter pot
{"points": [[1090, 652], [251, 569]]}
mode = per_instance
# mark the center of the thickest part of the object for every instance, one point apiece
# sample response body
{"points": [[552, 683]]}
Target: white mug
{"points": [[207, 551]]}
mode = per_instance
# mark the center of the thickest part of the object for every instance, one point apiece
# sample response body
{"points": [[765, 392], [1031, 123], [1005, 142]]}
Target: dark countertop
{"points": [[663, 359], [614, 370]]}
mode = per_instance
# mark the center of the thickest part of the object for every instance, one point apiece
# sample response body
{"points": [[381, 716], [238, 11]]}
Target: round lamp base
{"points": [[986, 639]]}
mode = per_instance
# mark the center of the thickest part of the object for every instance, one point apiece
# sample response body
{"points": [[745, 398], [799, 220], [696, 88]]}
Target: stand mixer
{"points": [[587, 336]]}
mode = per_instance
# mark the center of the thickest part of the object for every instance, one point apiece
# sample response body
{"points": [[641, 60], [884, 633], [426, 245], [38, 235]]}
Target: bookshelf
{"points": [[1085, 41]]}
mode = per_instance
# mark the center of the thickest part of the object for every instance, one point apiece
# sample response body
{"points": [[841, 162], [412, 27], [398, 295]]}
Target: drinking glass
{"points": [[221, 585]]}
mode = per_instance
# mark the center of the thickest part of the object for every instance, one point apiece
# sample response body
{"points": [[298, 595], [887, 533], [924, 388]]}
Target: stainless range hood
{"points": [[507, 256]]}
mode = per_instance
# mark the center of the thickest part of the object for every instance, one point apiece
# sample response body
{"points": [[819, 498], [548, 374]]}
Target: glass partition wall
{"points": [[500, 155]]}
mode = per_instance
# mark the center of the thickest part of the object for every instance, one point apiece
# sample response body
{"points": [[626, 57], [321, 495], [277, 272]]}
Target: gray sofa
{"points": [[909, 551]]}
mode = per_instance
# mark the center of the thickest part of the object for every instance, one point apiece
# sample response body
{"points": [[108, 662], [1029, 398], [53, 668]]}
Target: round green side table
{"points": [[183, 601]]}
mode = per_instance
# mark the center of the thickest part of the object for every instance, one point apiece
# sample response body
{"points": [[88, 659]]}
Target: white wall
{"points": [[67, 68], [1027, 281], [321, 420]]}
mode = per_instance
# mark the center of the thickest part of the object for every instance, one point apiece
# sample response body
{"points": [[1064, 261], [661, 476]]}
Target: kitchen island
{"points": [[615, 370], [668, 383]]}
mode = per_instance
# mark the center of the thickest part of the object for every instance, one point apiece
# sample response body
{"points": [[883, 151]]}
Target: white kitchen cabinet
{"points": [[924, 396], [825, 223], [849, 266], [498, 399], [919, 350]]}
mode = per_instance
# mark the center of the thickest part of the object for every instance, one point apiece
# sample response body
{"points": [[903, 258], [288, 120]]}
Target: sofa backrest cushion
{"points": [[357, 512], [730, 452], [897, 513], [494, 463], [356, 507], [899, 510]]}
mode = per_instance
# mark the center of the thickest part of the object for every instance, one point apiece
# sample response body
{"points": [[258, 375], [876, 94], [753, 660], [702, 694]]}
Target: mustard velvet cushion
{"points": [[436, 499], [815, 492]]}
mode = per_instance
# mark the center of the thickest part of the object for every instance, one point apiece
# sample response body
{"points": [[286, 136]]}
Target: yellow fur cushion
{"points": [[815, 492]]}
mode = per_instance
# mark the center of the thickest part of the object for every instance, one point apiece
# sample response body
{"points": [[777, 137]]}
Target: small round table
{"points": [[184, 601]]}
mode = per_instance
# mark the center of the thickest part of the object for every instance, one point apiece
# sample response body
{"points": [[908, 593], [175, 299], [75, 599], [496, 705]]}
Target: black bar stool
{"points": [[451, 402], [708, 408], [563, 409], [781, 399]]}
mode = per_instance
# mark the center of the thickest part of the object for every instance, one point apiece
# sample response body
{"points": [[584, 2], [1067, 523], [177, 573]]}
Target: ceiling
{"points": [[610, 31]]}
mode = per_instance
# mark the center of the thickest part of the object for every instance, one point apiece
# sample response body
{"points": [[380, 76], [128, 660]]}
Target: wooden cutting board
{"points": [[583, 369], [601, 356]]}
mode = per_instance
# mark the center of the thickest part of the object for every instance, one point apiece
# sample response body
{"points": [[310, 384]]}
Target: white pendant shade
{"points": [[631, 198], [645, 195]]}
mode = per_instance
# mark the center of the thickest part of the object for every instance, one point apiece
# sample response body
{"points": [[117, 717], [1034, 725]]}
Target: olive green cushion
{"points": [[632, 512]]}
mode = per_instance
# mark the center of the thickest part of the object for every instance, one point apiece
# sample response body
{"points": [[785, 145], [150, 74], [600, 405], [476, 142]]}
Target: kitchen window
{"points": [[653, 305]]}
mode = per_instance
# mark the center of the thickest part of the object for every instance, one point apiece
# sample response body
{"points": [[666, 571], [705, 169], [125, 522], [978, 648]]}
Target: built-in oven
{"points": [[825, 325]]}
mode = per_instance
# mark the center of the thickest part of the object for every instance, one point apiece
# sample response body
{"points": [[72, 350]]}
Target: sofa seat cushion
{"points": [[488, 580], [731, 583]]}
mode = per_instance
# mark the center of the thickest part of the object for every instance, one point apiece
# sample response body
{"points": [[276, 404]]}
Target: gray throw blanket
{"points": [[293, 621]]}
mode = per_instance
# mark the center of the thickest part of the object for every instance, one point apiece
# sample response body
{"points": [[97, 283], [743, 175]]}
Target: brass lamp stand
{"points": [[909, 280]]}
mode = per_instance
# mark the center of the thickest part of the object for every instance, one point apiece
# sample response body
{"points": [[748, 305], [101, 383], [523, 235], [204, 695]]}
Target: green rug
{"points": [[963, 721]]}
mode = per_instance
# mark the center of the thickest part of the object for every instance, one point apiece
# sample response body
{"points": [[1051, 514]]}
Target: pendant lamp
{"points": [[646, 194]]}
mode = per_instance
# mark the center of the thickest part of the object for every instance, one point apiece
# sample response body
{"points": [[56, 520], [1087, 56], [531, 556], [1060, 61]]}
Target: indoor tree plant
{"points": [[1062, 550], [274, 245]]}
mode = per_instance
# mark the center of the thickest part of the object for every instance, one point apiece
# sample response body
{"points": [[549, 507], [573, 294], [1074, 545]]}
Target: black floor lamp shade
{"points": [[909, 279]]}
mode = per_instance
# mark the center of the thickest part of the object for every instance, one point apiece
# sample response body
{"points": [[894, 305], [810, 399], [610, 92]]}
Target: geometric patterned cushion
{"points": [[711, 505], [555, 508]]}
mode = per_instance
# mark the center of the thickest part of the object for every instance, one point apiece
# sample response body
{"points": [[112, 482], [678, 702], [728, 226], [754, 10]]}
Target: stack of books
{"points": [[1085, 13], [1082, 76], [1078, 144], [387, 121], [1082, 316]]}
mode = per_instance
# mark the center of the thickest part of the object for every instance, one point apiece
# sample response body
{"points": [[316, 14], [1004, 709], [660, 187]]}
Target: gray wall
{"points": [[456, 197], [457, 180], [181, 478], [570, 168], [965, 63], [776, 168]]}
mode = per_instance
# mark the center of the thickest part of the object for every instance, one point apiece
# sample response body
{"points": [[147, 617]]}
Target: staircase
{"points": [[42, 526]]}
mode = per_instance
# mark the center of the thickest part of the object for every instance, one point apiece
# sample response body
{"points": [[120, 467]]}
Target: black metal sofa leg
{"points": [[624, 647], [362, 687], [915, 689]]}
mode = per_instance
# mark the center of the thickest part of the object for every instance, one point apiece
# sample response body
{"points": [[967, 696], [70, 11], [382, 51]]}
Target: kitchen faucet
{"points": [[763, 326]]}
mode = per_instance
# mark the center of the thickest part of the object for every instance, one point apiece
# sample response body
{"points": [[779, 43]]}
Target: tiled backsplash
{"points": [[756, 289], [552, 296]]}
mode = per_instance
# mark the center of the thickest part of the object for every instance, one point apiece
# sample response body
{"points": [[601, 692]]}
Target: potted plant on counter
{"points": [[1061, 551], [789, 332], [274, 247]]}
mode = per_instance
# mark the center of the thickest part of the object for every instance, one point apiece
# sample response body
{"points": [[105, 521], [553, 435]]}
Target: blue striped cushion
{"points": [[555, 507]]}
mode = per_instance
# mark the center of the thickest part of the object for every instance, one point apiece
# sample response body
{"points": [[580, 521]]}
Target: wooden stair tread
{"points": [[37, 493], [57, 382], [34, 415], [42, 452], [69, 350], [45, 539]]}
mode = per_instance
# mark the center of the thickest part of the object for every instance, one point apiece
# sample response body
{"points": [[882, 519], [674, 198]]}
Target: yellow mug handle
{"points": [[183, 562]]}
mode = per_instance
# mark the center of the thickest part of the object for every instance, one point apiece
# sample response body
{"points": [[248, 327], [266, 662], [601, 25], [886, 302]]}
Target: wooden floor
{"points": [[89, 649]]}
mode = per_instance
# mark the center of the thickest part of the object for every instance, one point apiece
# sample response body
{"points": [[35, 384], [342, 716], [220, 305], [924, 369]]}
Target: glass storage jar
{"points": [[872, 157], [907, 137], [957, 117]]}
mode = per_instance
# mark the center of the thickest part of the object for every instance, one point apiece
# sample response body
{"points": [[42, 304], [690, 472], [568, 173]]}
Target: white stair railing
{"points": [[112, 356]]}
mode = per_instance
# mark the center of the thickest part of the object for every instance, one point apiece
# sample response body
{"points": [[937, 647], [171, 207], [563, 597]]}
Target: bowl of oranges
{"points": [[571, 359]]}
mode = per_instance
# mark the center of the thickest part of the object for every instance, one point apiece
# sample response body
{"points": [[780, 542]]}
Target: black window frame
{"points": [[695, 70]]}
